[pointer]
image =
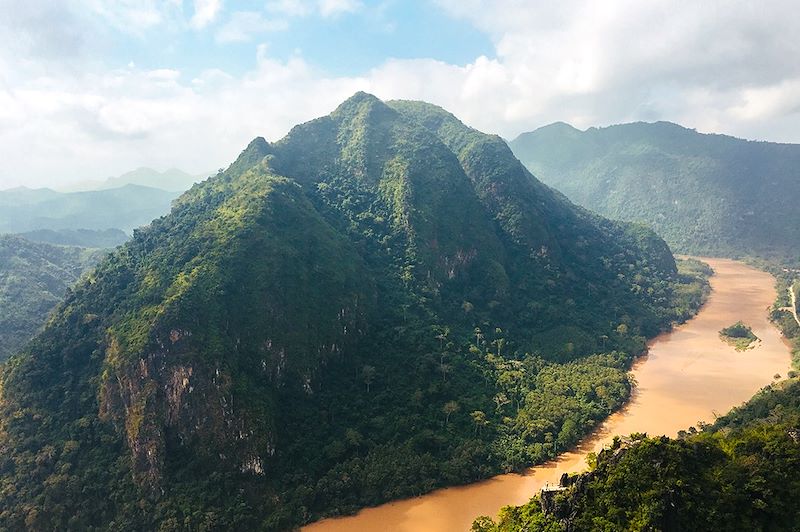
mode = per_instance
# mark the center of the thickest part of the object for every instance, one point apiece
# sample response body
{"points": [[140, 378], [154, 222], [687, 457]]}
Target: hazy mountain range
{"points": [[706, 194], [173, 180]]}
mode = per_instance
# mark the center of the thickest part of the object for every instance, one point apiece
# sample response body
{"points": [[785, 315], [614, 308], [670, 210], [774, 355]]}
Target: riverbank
{"points": [[688, 376]]}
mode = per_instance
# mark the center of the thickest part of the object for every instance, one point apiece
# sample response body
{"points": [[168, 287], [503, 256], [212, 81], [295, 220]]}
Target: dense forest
{"points": [[704, 194], [735, 474], [738, 474], [383, 302], [33, 279]]}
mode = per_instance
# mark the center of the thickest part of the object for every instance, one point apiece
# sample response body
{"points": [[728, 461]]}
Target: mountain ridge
{"points": [[123, 208], [704, 193], [283, 344]]}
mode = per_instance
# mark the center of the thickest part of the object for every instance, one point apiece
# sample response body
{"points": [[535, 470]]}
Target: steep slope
{"points": [[709, 194], [294, 338], [124, 208], [33, 280]]}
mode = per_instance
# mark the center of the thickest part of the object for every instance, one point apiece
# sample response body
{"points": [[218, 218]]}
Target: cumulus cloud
{"points": [[329, 8], [205, 11], [245, 25], [324, 8], [601, 62], [130, 16], [726, 67]]}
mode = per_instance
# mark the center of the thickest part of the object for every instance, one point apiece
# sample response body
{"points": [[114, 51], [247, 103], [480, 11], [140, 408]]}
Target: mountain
{"points": [[705, 194], [86, 238], [33, 279], [382, 302], [173, 180], [25, 196], [123, 208]]}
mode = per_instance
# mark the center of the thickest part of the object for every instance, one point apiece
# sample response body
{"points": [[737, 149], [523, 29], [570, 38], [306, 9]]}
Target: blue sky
{"points": [[342, 43], [92, 88]]}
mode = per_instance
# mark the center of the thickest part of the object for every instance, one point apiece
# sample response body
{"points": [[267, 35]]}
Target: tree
{"points": [[450, 407], [445, 369], [501, 400], [368, 374], [499, 342], [480, 420], [442, 336], [478, 336]]}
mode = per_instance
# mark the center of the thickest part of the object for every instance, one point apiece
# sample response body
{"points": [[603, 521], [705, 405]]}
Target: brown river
{"points": [[689, 375]]}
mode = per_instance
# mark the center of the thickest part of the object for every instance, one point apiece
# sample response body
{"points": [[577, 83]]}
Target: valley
{"points": [[688, 376]]}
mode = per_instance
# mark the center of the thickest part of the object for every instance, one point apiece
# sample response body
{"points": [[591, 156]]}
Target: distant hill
{"points": [[382, 302], [33, 278], [85, 238], [18, 196], [125, 208], [173, 179], [708, 194]]}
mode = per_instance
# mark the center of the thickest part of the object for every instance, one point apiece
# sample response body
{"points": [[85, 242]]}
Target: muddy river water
{"points": [[688, 376]]}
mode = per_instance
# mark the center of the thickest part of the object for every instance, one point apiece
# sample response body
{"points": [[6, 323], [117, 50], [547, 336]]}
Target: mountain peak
{"points": [[257, 149], [359, 98], [230, 339], [561, 126], [358, 103]]}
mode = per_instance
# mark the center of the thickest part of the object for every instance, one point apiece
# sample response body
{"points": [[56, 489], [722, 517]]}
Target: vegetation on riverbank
{"points": [[737, 474], [739, 335], [787, 276]]}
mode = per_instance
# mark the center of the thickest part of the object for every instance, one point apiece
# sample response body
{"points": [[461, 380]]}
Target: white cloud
{"points": [[771, 101], [329, 8], [324, 8], [164, 75], [131, 16], [290, 8], [205, 11], [717, 66], [244, 25]]}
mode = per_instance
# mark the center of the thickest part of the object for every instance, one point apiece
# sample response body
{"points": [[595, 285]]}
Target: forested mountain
{"points": [[705, 194], [382, 302], [33, 279], [87, 238], [124, 208]]}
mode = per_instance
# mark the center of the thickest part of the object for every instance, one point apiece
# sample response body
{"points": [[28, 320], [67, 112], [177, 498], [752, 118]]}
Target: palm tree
{"points": [[450, 407], [368, 374], [480, 420], [445, 369]]}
